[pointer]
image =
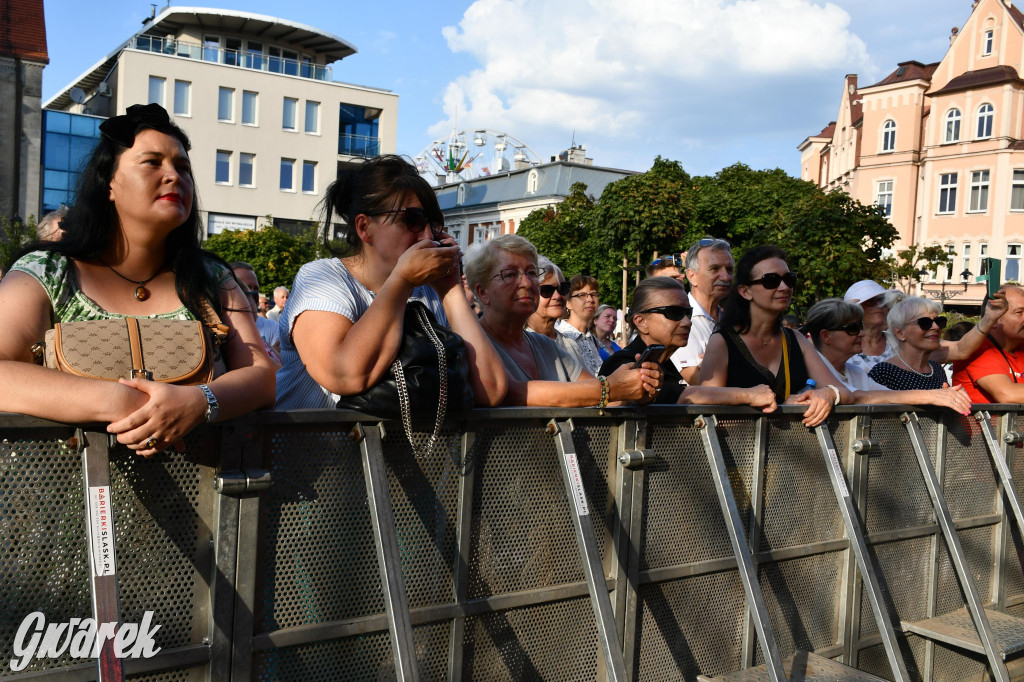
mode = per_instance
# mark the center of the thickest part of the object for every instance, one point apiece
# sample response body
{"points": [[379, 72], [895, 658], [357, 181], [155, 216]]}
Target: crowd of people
{"points": [[698, 330]]}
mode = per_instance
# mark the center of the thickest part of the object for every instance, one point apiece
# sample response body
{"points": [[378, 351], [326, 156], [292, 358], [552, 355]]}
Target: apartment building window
{"points": [[985, 115], [232, 51], [246, 163], [225, 104], [889, 136], [254, 55], [950, 257], [182, 98], [249, 102], [211, 48], [312, 117], [989, 39], [947, 193], [156, 90], [288, 114], [953, 125], [966, 257], [1017, 191], [979, 192], [223, 175], [287, 175], [883, 197], [983, 258], [309, 177], [1012, 270]]}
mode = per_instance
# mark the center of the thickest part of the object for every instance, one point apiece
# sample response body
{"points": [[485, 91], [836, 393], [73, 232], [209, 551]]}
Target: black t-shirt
{"points": [[746, 372], [672, 384]]}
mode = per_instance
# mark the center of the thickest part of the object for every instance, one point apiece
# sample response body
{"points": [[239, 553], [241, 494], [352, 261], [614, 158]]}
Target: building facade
{"points": [[269, 127], [941, 148]]}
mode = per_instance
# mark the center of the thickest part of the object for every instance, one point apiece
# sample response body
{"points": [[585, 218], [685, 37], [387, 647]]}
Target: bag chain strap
{"points": [[403, 391]]}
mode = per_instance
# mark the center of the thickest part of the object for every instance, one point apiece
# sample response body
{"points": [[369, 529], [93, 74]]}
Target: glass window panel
{"points": [[57, 122], [245, 165], [156, 90], [249, 108], [211, 49], [1017, 192], [288, 116], [312, 117], [53, 198], [57, 151], [182, 97], [83, 126], [232, 48], [79, 152], [308, 176], [223, 167], [225, 99], [287, 174], [56, 180]]}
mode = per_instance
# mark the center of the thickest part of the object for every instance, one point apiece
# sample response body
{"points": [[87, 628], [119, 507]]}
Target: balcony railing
{"points": [[245, 59], [359, 145]]}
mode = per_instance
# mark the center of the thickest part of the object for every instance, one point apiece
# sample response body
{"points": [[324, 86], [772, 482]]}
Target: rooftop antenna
{"points": [[573, 143]]}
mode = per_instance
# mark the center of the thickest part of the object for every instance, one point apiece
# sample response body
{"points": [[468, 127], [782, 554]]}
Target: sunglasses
{"points": [[671, 312], [772, 280], [925, 323], [853, 329], [703, 243], [675, 259], [548, 290], [415, 219]]}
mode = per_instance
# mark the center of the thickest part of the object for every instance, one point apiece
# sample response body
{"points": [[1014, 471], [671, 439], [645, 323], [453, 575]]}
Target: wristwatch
{"points": [[212, 406]]}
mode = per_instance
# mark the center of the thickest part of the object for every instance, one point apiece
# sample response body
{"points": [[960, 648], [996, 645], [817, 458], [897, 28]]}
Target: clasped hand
{"points": [[427, 263], [166, 414]]}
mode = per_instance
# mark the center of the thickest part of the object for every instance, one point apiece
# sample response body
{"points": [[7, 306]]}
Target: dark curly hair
{"points": [[735, 308]]}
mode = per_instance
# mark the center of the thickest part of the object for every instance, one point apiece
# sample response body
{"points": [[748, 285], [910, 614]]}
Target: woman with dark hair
{"points": [[343, 325], [130, 247], [660, 315], [752, 347]]}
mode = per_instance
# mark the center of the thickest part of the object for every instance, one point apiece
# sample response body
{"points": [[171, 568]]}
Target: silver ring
{"points": [[151, 443]]}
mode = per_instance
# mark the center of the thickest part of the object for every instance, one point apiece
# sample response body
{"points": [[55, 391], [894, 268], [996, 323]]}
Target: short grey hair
{"points": [[693, 253], [830, 313], [481, 257], [905, 311], [49, 229], [281, 288], [547, 266]]}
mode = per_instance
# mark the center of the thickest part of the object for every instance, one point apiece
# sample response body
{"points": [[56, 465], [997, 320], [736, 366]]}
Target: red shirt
{"points": [[986, 360]]}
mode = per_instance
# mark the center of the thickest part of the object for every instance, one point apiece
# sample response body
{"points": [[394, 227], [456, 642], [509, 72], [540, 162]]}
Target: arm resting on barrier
{"points": [[955, 398], [758, 396], [625, 385]]}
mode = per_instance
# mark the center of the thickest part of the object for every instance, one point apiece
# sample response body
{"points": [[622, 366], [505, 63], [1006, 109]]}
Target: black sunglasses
{"points": [[772, 280], [671, 312], [548, 290], [675, 260], [415, 219], [853, 329], [925, 323]]}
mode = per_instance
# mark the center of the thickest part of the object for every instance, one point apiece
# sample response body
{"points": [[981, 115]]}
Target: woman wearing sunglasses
{"points": [[343, 325], [554, 292], [505, 277], [914, 334], [751, 347], [660, 315], [836, 328]]}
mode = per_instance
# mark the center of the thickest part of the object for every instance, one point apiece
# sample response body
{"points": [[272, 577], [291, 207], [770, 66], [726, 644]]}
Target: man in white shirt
{"points": [[280, 299], [709, 266]]}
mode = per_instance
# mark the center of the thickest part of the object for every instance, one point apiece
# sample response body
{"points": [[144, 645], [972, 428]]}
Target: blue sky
{"points": [[704, 82]]}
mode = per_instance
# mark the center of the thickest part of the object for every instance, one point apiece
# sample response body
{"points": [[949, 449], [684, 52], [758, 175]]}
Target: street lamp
{"points": [[941, 294]]}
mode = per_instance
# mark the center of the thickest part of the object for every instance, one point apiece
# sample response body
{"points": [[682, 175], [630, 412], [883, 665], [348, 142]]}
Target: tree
{"points": [[14, 236], [562, 232], [274, 254], [905, 268]]}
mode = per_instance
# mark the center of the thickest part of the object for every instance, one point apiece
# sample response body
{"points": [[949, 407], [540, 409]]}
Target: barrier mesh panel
{"points": [[364, 657], [197, 674], [977, 545], [874, 660], [689, 627], [44, 562], [556, 641], [522, 537], [903, 569], [163, 506], [317, 561], [897, 497], [955, 665], [1014, 581], [969, 479]]}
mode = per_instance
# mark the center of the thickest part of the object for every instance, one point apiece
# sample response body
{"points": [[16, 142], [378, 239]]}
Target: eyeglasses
{"points": [[548, 290], [511, 275], [415, 219], [853, 329], [704, 243], [671, 312], [925, 323], [772, 280], [592, 296]]}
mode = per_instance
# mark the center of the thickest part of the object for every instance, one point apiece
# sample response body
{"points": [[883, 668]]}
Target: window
{"points": [[225, 104], [182, 98], [883, 197], [983, 258], [989, 39], [312, 117], [953, 125], [950, 257], [245, 167], [211, 48], [249, 101], [254, 55], [966, 257], [1017, 192], [223, 176], [288, 114], [309, 177], [889, 136], [156, 90], [291, 62], [947, 193], [1012, 271], [979, 192], [232, 51], [532, 181], [985, 115], [287, 175]]}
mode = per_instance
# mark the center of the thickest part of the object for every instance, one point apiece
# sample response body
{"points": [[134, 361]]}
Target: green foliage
{"points": [[905, 268], [562, 232], [14, 237], [274, 254]]}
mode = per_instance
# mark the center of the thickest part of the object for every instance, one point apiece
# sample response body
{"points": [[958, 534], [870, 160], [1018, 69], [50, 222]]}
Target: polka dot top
{"points": [[899, 379]]}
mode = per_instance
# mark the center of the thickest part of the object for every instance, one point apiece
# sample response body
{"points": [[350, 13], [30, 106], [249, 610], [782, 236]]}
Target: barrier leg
{"points": [[396, 601], [587, 543], [106, 606], [1005, 476]]}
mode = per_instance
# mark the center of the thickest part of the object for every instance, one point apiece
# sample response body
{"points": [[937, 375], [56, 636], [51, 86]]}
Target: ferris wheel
{"points": [[454, 159]]}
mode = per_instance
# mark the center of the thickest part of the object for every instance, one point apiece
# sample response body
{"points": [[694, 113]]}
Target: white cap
{"points": [[863, 290]]}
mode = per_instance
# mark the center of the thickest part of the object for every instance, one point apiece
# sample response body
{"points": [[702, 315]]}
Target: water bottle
{"points": [[809, 386]]}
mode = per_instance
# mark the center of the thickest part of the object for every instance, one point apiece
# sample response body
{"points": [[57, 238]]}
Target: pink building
{"points": [[941, 148]]}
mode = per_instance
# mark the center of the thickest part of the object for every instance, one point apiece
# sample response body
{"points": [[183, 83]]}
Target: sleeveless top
{"points": [[746, 372]]}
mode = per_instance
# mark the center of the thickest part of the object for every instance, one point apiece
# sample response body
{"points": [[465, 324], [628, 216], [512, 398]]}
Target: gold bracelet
{"points": [[604, 392]]}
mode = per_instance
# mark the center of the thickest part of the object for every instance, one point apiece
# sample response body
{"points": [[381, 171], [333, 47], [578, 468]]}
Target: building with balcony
{"points": [[270, 128], [941, 148]]}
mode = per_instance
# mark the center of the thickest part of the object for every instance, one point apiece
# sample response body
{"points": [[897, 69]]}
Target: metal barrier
{"points": [[534, 544]]}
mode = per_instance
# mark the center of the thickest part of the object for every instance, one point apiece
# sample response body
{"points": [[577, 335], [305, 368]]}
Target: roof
{"points": [[23, 30], [908, 71], [172, 19], [980, 78]]}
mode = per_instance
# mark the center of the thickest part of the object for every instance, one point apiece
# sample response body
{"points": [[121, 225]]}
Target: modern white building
{"points": [[270, 128]]}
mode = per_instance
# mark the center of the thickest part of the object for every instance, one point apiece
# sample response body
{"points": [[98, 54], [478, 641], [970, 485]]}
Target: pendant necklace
{"points": [[141, 292]]}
